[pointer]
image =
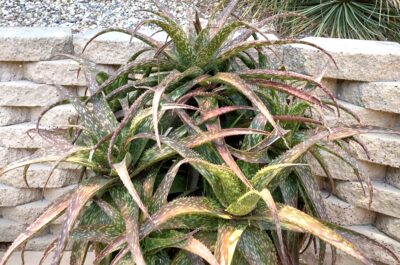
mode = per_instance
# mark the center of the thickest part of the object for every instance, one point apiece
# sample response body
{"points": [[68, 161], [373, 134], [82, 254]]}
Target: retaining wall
{"points": [[366, 81]]}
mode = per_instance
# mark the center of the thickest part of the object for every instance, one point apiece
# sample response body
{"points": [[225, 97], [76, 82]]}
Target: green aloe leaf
{"points": [[76, 204], [228, 237], [237, 83], [257, 248], [183, 207], [123, 174]]}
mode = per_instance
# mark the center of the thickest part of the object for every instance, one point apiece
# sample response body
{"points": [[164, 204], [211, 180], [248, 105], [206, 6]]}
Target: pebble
{"points": [[80, 15]]}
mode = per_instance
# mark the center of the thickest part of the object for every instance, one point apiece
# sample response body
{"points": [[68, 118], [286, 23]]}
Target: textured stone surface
{"points": [[309, 257], [356, 59], [385, 198], [27, 94], [9, 230], [58, 116], [389, 225], [384, 96], [40, 242], [393, 176], [10, 196], [110, 48], [52, 194], [383, 148], [61, 72], [11, 115], [24, 213], [8, 155], [33, 43], [10, 71], [341, 170], [37, 176], [343, 213], [373, 252], [366, 116], [16, 136]]}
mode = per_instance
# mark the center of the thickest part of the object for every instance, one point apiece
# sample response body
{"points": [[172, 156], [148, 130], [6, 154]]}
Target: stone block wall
{"points": [[366, 81]]}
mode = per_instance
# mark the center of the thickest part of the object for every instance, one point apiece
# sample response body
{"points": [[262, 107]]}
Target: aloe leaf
{"points": [[223, 181], [171, 79], [125, 69], [257, 248], [248, 201], [155, 155], [266, 195], [286, 75], [134, 108], [46, 156], [50, 214], [228, 238], [96, 233], [223, 16], [163, 239], [258, 157], [209, 49], [290, 90], [78, 200], [198, 248], [123, 174], [183, 207], [178, 35], [237, 83], [79, 252], [116, 244], [130, 212], [213, 113], [239, 47], [220, 145], [160, 196], [148, 40], [313, 226]]}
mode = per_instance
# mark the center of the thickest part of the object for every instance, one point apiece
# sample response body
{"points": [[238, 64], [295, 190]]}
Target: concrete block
{"points": [[393, 176], [60, 116], [40, 243], [8, 155], [383, 148], [389, 225], [309, 257], [383, 96], [24, 213], [24, 135], [11, 115], [28, 94], [340, 170], [53, 194], [37, 176], [343, 213], [385, 198], [10, 71], [366, 116], [10, 196], [9, 230], [33, 43], [373, 252], [361, 60], [61, 72]]}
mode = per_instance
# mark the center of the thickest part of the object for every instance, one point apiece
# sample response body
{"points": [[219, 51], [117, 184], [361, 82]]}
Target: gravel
{"points": [[87, 14]]}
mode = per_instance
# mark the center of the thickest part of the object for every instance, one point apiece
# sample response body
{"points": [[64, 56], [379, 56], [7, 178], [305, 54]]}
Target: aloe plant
{"points": [[194, 155]]}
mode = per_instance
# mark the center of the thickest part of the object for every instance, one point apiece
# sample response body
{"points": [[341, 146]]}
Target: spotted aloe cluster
{"points": [[194, 154]]}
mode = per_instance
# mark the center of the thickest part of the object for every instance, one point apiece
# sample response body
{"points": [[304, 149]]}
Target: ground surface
{"points": [[85, 14]]}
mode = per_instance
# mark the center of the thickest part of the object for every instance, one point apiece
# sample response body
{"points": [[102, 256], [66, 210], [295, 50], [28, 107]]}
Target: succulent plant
{"points": [[194, 154]]}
